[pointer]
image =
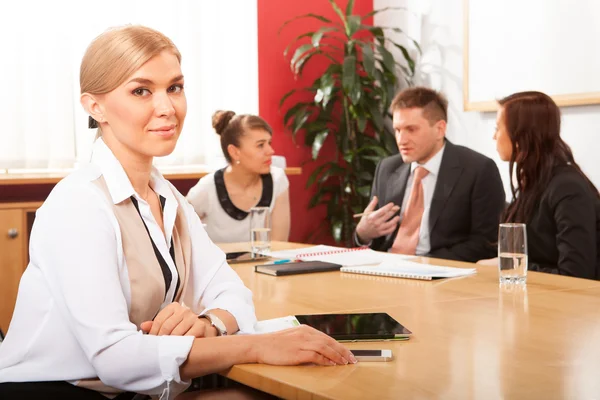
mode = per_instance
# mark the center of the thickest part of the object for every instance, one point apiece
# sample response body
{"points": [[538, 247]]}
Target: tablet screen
{"points": [[356, 326]]}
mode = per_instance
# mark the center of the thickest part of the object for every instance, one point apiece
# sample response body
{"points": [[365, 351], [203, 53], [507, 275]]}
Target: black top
{"points": [[167, 275], [563, 235], [465, 209], [227, 204]]}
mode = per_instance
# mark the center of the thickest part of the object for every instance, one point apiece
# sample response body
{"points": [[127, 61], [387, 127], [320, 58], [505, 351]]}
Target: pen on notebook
{"points": [[284, 261]]}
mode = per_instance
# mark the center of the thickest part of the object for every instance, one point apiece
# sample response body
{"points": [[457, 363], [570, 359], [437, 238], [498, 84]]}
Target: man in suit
{"points": [[434, 198]]}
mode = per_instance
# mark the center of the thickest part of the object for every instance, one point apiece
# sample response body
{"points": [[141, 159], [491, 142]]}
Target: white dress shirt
{"points": [[433, 166], [71, 318], [220, 226]]}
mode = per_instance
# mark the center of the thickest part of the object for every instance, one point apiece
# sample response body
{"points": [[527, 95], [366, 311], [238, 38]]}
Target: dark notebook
{"points": [[293, 268]]}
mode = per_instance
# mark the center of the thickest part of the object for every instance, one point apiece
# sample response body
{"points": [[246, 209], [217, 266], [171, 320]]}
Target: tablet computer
{"points": [[357, 327]]}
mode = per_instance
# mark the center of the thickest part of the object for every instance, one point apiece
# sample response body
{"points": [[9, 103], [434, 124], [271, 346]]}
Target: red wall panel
{"points": [[275, 79]]}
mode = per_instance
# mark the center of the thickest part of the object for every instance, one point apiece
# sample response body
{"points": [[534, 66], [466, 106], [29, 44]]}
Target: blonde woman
{"points": [[224, 198], [117, 251]]}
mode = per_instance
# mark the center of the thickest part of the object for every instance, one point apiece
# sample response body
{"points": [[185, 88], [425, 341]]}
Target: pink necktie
{"points": [[408, 233]]}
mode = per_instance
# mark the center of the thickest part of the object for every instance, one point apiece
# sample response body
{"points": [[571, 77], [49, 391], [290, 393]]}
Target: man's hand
{"points": [[375, 224]]}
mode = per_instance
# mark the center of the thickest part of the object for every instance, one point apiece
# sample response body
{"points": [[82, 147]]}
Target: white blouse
{"points": [[71, 318], [220, 226]]}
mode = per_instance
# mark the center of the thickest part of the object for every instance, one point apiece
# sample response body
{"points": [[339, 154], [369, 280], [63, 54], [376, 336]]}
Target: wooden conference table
{"points": [[471, 338]]}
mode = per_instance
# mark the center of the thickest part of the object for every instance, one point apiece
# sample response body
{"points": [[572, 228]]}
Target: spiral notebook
{"points": [[335, 255], [410, 270]]}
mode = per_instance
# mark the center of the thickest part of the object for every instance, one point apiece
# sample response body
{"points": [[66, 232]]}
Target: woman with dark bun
{"points": [[224, 198]]}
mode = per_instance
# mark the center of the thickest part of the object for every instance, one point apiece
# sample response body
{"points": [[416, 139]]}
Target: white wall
{"points": [[438, 26]]}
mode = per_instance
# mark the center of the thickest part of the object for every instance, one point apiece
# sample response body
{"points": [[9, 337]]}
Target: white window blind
{"points": [[43, 124]]}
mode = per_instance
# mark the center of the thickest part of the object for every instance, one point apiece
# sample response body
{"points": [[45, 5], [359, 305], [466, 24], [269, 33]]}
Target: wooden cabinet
{"points": [[16, 220]]}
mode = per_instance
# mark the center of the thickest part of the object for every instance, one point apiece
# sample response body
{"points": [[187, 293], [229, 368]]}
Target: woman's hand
{"points": [[492, 262], [301, 345], [178, 320]]}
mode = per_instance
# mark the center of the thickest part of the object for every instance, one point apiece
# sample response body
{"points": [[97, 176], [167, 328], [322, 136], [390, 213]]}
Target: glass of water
{"points": [[512, 253], [260, 229]]}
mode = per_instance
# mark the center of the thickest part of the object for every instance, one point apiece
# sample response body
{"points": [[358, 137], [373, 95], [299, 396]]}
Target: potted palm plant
{"points": [[349, 104]]}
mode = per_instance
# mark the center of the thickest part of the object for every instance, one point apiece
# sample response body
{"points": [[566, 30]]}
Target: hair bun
{"points": [[221, 119]]}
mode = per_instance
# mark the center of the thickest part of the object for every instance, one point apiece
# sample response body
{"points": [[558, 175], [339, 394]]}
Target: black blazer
{"points": [[466, 205], [563, 234]]}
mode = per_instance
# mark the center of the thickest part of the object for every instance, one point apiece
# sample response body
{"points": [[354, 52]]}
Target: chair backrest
{"points": [[279, 161]]}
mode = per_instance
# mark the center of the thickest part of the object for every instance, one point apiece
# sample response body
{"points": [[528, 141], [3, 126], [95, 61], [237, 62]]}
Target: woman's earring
{"points": [[237, 162]]}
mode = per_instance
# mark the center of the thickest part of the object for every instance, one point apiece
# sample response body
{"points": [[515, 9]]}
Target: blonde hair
{"points": [[116, 54]]}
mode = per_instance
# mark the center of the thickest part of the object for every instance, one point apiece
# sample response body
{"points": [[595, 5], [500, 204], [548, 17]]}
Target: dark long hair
{"points": [[532, 120]]}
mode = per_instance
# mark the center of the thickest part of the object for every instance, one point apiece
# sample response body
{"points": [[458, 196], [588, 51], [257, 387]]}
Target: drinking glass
{"points": [[260, 230], [512, 253]]}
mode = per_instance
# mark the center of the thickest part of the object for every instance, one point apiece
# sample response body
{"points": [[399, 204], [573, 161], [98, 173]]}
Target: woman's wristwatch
{"points": [[216, 322]]}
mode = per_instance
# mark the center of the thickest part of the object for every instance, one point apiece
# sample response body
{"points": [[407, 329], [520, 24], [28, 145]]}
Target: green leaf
{"points": [[353, 25], [326, 87], [364, 191], [318, 35], [307, 34], [417, 46], [299, 121], [314, 200], [348, 157], [362, 124], [368, 59], [349, 7], [312, 129], [377, 32], [391, 90], [376, 115], [388, 58], [334, 170], [339, 12], [309, 15], [295, 110], [370, 14], [349, 73], [407, 57], [377, 149], [300, 51], [318, 143], [397, 30], [319, 96], [356, 94], [315, 174], [320, 194], [285, 96], [405, 70], [375, 159]]}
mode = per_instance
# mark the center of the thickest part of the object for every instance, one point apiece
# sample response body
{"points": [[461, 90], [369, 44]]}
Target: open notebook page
{"points": [[338, 255], [409, 269]]}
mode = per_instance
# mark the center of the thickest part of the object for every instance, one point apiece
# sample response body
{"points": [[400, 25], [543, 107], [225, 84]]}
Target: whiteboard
{"points": [[552, 46]]}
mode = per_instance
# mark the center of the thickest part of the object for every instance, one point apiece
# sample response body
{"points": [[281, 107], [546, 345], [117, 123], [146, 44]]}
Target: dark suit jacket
{"points": [[466, 205], [563, 234]]}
